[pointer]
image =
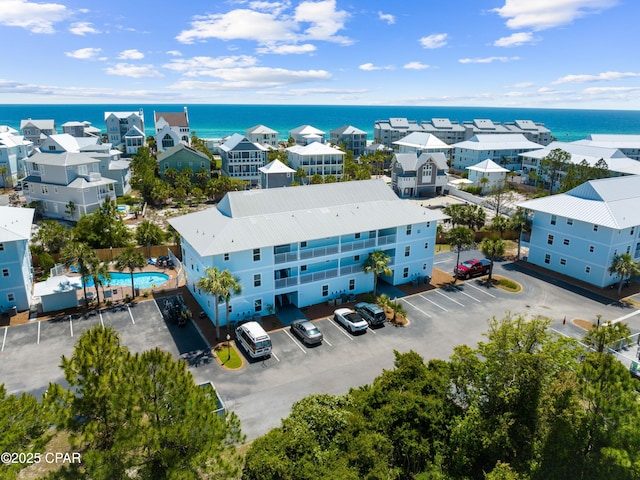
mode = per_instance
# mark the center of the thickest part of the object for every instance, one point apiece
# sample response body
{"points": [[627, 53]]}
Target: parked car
{"points": [[307, 332], [351, 320], [372, 313], [471, 268]]}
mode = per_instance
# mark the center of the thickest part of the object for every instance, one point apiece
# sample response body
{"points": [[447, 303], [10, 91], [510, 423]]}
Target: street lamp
{"points": [[228, 347]]}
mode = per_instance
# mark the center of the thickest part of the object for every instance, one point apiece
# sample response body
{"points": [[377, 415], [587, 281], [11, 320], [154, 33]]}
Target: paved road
{"points": [[263, 391]]}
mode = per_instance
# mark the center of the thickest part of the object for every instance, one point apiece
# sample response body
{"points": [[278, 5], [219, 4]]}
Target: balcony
{"points": [[317, 276], [285, 257], [286, 282], [386, 240], [318, 252], [351, 269], [94, 177], [358, 245]]}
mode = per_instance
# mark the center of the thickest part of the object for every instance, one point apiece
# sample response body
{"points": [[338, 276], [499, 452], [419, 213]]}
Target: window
{"points": [[257, 305], [426, 245], [633, 229], [566, 241], [357, 235], [352, 284], [563, 261], [591, 249], [325, 290], [595, 228], [303, 244], [407, 251], [408, 229], [226, 257], [1, 247], [569, 221], [547, 258], [303, 268], [256, 254], [5, 272], [550, 239], [405, 272], [11, 297], [553, 219], [257, 280], [587, 269], [427, 170]]}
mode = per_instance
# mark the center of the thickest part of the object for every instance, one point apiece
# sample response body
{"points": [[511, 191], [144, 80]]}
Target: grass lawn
{"points": [[229, 357]]}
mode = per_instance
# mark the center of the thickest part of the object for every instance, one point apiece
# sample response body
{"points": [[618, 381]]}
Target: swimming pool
{"points": [[140, 280]]}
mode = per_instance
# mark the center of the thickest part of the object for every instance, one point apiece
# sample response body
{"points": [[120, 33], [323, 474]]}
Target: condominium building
{"points": [[503, 149], [305, 245], [16, 278]]}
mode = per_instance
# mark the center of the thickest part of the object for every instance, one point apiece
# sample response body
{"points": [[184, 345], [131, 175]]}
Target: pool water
{"points": [[140, 280]]}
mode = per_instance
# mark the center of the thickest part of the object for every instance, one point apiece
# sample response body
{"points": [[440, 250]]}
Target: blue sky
{"points": [[523, 53]]}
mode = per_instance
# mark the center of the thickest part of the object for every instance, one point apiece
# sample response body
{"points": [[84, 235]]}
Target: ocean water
{"points": [[217, 121]]}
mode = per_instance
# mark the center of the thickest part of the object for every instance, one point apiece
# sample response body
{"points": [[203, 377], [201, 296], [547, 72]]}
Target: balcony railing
{"points": [[349, 269], [386, 239], [286, 282], [358, 245], [285, 257], [317, 276], [318, 252]]}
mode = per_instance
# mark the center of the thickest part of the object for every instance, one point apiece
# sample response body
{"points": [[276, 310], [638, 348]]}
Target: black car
{"points": [[307, 332], [372, 313]]}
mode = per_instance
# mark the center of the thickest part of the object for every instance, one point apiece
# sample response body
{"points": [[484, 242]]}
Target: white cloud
{"points": [[437, 40], [488, 59], [604, 76], [524, 85], [174, 53], [516, 40], [287, 49], [84, 53], [370, 67], [309, 21], [197, 66], [600, 90], [131, 54], [82, 28], [298, 92], [387, 17], [35, 17], [416, 66], [543, 14], [134, 71], [252, 78]]}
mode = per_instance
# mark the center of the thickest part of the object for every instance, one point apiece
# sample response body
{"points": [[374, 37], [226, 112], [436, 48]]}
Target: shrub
{"points": [[508, 283], [368, 298]]}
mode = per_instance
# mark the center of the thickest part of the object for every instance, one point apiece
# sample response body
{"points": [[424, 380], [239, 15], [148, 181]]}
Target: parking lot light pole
{"points": [[228, 347]]}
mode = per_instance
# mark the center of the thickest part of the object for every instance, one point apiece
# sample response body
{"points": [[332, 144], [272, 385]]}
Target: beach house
{"points": [[36, 131], [16, 272], [316, 159], [305, 245], [13, 151], [419, 174], [578, 233], [349, 138], [122, 126], [305, 134], [80, 129], [242, 158], [171, 129], [180, 157], [502, 148], [494, 174], [276, 174], [262, 135]]}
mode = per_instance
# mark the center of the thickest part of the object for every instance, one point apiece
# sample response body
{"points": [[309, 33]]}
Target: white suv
{"points": [[351, 320]]}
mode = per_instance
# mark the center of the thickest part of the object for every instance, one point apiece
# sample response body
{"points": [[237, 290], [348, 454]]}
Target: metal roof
{"points": [[305, 130], [610, 202], [262, 218], [487, 166], [259, 129], [63, 158], [15, 223], [276, 166], [497, 141], [347, 130], [315, 148], [421, 140], [236, 139]]}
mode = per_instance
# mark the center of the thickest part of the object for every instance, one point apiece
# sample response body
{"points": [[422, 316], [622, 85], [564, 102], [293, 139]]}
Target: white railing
{"points": [[317, 276], [286, 282]]}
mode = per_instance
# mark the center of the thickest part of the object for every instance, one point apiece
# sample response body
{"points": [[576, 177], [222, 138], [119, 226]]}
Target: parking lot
{"points": [[262, 392]]}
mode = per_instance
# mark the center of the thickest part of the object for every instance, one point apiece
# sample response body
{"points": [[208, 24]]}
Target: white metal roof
{"points": [[305, 130], [422, 140], [347, 130], [497, 141], [610, 202], [57, 284], [64, 158], [276, 166], [262, 218], [15, 223], [259, 129], [315, 148], [612, 141], [487, 166]]}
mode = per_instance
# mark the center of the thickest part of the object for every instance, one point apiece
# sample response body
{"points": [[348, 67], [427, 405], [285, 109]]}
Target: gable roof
{"points": [[134, 131], [63, 158], [15, 223], [123, 115], [259, 129], [347, 130], [411, 162], [181, 148], [276, 166], [174, 119], [39, 124], [610, 202], [261, 218], [305, 130], [235, 140]]}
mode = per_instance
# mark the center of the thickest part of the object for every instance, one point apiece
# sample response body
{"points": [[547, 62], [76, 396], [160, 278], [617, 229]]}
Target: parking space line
{"points": [[38, 341], [413, 306], [131, 315], [448, 297], [431, 301], [274, 356], [465, 293], [326, 341], [4, 338], [71, 325], [371, 330], [294, 341], [101, 320], [480, 290], [339, 327]]}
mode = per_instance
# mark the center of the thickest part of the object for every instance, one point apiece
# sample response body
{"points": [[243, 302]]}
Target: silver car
{"points": [[307, 332]]}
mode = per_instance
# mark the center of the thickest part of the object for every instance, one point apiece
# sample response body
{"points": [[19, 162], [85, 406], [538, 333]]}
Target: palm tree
{"points": [[212, 285], [301, 175], [378, 263], [99, 271], [518, 222], [80, 254], [483, 184], [624, 266], [3, 173], [492, 248], [459, 237], [130, 259], [229, 286], [499, 224], [147, 234]]}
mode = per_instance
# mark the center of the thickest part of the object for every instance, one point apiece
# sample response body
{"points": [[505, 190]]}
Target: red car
{"points": [[473, 267]]}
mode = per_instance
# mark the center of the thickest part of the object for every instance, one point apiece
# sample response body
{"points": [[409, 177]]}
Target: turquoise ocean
{"points": [[217, 121]]}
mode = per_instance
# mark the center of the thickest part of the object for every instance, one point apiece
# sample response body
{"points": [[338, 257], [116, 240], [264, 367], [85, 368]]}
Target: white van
{"points": [[254, 339]]}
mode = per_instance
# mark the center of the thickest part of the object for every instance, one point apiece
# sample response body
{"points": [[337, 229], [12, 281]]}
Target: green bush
{"points": [[508, 284]]}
